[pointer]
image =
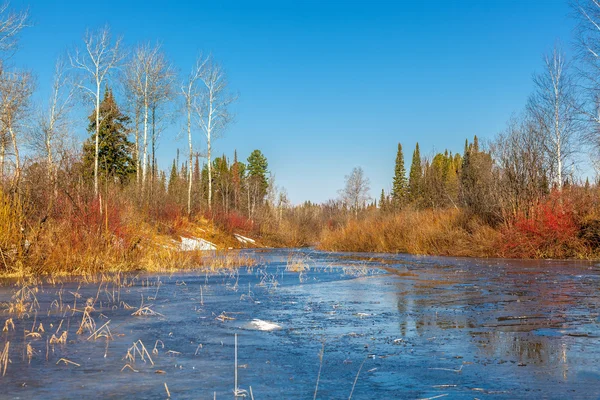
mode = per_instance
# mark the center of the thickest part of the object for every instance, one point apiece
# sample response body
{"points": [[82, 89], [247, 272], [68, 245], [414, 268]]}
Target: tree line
{"points": [[131, 95]]}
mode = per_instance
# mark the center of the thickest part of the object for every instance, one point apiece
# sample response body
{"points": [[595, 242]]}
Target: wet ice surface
{"points": [[423, 327]]}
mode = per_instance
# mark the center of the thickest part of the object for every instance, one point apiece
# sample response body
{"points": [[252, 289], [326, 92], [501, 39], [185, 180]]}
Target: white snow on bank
{"points": [[244, 239], [261, 325], [190, 244]]}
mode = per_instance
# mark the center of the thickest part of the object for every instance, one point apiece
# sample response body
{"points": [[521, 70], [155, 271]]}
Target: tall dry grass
{"points": [[435, 232], [83, 236]]}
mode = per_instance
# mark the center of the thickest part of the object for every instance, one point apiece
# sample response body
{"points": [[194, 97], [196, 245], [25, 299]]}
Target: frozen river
{"points": [[374, 326]]}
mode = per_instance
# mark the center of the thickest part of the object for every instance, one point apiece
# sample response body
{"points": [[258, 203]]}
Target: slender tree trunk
{"points": [[145, 160], [137, 144], [249, 204], [17, 157], [97, 148], [208, 149], [209, 172], [153, 172], [558, 137], [50, 159], [2, 152], [190, 180]]}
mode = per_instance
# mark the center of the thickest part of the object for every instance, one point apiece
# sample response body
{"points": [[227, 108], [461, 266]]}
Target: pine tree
{"points": [[399, 187], [257, 180], [414, 178], [257, 170], [115, 150], [173, 178], [382, 201]]}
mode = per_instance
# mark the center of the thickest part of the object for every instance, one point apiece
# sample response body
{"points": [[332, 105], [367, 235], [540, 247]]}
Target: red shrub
{"points": [[232, 221], [549, 230]]}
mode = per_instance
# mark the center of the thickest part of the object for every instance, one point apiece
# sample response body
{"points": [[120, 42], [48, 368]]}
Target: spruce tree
{"points": [[257, 171], [173, 178], [114, 148], [382, 201], [399, 186], [414, 178]]}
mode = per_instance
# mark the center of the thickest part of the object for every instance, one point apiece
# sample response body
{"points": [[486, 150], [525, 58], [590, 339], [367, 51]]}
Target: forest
{"points": [[104, 204]]}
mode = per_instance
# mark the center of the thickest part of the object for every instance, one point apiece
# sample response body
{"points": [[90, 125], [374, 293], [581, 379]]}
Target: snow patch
{"points": [[244, 239], [261, 325], [193, 243]]}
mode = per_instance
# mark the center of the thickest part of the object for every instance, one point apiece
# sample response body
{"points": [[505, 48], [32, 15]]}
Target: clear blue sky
{"points": [[328, 85]]}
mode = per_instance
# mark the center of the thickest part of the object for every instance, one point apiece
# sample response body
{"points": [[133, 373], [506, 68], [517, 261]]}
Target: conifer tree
{"points": [[399, 187], [114, 148], [257, 180], [257, 170], [173, 177], [414, 178], [382, 201]]}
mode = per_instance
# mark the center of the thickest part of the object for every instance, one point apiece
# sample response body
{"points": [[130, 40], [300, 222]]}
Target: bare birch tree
{"points": [[587, 34], [133, 107], [190, 93], [11, 24], [356, 190], [16, 88], [148, 81], [100, 56], [52, 127], [213, 109], [554, 107], [162, 79]]}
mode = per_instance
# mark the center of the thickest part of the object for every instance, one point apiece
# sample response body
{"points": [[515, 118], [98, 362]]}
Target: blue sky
{"points": [[329, 85]]}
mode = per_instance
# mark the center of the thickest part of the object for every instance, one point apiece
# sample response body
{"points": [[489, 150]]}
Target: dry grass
{"points": [[80, 239], [439, 232], [8, 325], [4, 360], [62, 339], [24, 301], [137, 350], [297, 263]]}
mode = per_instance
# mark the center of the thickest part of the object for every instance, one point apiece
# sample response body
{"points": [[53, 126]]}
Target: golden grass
{"points": [[69, 244], [429, 232], [4, 358], [297, 263]]}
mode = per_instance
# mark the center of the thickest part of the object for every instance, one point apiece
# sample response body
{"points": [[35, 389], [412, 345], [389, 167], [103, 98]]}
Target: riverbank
{"points": [[87, 236], [556, 230]]}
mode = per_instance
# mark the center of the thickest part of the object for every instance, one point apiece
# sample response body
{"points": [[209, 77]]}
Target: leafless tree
{"points": [[554, 106], [356, 191], [11, 24], [100, 56], [587, 36], [148, 82], [52, 125], [212, 109], [191, 93], [523, 166], [16, 88], [162, 91]]}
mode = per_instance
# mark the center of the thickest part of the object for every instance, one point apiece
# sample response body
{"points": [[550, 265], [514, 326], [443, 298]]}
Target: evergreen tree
{"points": [[383, 201], [477, 182], [173, 178], [115, 150], [257, 171], [414, 178], [399, 187]]}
